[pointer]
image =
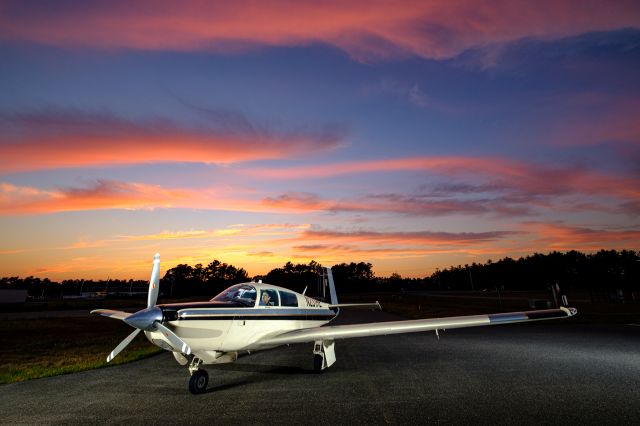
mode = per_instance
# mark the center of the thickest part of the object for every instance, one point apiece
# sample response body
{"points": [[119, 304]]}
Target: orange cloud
{"points": [[14, 251], [179, 235], [558, 236], [338, 246], [57, 138], [239, 230], [105, 194], [364, 29]]}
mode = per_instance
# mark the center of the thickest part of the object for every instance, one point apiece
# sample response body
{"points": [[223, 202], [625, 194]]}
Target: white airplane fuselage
{"points": [[213, 329]]}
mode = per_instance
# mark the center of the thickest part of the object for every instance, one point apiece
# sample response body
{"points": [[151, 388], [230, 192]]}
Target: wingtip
{"points": [[569, 310]]}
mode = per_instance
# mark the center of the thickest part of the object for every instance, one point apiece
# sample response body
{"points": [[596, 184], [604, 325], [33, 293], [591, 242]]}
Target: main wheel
{"points": [[198, 382], [318, 361]]}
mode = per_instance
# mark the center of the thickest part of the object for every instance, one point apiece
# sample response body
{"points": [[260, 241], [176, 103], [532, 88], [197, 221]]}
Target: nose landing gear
{"points": [[198, 382], [199, 377]]}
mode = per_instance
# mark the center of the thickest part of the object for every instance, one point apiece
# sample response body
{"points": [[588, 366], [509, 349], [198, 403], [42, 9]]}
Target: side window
{"points": [[269, 297], [288, 299]]}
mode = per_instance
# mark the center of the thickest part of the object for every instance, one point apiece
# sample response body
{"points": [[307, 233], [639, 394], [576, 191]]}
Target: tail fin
{"points": [[327, 278]]}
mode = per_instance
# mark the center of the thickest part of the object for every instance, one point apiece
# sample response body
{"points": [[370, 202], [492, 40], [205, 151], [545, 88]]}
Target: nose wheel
{"points": [[198, 382]]}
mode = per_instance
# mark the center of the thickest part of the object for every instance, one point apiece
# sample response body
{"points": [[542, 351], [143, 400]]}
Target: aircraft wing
{"points": [[110, 314], [337, 332]]}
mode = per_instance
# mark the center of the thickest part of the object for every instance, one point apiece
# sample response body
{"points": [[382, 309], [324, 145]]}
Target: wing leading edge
{"points": [[337, 332]]}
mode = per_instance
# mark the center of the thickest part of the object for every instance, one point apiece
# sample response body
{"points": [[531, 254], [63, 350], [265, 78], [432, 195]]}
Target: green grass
{"points": [[37, 348]]}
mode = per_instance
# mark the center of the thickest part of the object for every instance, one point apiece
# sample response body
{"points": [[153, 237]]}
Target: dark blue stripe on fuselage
{"points": [[258, 318], [510, 317], [203, 305], [275, 313]]}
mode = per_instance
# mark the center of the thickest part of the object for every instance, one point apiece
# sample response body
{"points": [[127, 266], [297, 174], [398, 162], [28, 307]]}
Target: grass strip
{"points": [[34, 348]]}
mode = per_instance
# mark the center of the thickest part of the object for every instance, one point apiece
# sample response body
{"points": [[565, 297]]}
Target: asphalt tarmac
{"points": [[539, 373]]}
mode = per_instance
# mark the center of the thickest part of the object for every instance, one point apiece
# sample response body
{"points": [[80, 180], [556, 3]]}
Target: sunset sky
{"points": [[412, 135]]}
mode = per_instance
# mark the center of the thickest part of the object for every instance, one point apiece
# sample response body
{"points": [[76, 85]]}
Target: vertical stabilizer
{"points": [[328, 276]]}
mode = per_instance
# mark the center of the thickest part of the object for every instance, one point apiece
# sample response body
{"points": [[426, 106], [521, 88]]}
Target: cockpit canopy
{"points": [[244, 294], [247, 294]]}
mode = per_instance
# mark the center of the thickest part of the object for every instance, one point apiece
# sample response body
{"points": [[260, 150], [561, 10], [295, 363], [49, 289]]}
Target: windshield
{"points": [[240, 293]]}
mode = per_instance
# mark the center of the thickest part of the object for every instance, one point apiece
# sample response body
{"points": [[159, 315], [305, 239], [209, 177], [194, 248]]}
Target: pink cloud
{"points": [[364, 29], [462, 185], [383, 203], [594, 118], [421, 237], [58, 138], [445, 165], [521, 180]]}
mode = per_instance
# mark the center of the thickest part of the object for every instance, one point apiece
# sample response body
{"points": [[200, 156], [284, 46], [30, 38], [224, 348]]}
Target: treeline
{"points": [[44, 288], [603, 272], [185, 280], [606, 270]]}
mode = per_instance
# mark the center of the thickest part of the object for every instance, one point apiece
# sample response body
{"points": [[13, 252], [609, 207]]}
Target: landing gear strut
{"points": [[199, 377], [323, 355]]}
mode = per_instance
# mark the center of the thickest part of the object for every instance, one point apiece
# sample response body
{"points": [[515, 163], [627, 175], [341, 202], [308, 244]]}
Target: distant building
{"points": [[11, 295]]}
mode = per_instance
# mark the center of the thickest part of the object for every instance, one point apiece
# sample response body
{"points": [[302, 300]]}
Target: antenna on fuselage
{"points": [[305, 290]]}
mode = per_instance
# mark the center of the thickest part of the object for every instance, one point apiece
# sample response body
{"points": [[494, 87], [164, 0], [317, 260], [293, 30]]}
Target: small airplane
{"points": [[255, 316]]}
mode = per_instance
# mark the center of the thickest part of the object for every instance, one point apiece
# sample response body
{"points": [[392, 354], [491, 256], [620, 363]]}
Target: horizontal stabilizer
{"points": [[375, 305], [110, 314]]}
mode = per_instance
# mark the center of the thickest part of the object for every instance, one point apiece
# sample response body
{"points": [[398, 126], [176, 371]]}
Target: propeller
{"points": [[148, 319], [154, 282], [122, 345]]}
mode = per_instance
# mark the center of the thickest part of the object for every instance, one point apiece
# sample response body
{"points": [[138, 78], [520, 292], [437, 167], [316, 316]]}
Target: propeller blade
{"points": [[176, 343], [154, 282], [111, 314], [122, 345]]}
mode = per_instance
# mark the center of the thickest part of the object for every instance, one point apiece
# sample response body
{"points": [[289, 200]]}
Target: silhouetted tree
{"points": [[296, 277], [185, 281], [354, 277]]}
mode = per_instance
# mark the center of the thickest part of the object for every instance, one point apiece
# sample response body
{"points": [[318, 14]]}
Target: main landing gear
{"points": [[323, 355], [318, 363], [199, 377]]}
